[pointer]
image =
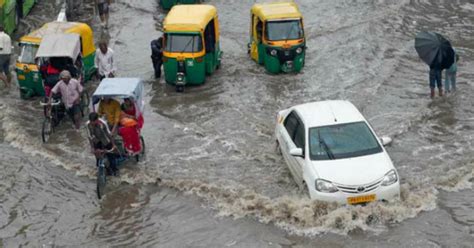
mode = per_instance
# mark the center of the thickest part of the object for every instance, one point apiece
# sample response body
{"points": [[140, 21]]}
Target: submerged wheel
{"points": [[142, 143], [143, 151], [46, 130], [179, 88], [101, 181], [85, 100]]}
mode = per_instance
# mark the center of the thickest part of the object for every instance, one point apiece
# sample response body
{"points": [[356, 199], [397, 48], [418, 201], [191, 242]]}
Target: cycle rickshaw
{"points": [[58, 52], [121, 89]]}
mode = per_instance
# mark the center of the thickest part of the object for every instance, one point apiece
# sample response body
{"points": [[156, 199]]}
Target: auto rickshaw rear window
{"points": [[183, 43], [284, 30]]}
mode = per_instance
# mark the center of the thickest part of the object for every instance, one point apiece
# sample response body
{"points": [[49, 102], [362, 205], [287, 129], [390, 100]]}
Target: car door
{"points": [[299, 141], [288, 133]]}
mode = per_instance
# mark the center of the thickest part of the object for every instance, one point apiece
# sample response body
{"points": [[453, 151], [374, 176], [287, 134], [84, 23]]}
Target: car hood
{"points": [[354, 171]]}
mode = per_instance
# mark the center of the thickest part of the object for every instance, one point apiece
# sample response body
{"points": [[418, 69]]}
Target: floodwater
{"points": [[212, 177]]}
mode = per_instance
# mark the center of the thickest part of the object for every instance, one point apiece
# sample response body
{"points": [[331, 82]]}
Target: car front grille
{"points": [[359, 188]]}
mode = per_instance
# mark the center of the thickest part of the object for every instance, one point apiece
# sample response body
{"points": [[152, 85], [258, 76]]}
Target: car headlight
{"points": [[325, 186], [273, 52], [390, 178], [299, 50]]}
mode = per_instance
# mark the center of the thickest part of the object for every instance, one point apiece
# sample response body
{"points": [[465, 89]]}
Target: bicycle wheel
{"points": [[142, 152], [46, 130], [85, 100], [101, 181]]}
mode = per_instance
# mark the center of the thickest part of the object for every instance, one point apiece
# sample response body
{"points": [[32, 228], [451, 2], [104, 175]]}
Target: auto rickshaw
{"points": [[167, 4], [27, 69], [191, 44], [277, 38]]}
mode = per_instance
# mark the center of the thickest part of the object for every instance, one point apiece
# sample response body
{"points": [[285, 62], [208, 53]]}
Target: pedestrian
{"points": [[450, 80], [157, 55], [435, 81], [104, 61], [103, 7], [71, 91], [5, 53]]}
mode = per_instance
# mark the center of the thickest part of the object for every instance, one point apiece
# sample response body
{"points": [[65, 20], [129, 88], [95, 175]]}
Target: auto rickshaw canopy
{"points": [[56, 27], [280, 10], [60, 45], [189, 18], [120, 88]]}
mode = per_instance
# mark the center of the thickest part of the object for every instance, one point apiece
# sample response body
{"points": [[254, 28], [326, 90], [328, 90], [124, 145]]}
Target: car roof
{"points": [[278, 10], [324, 113], [189, 18]]}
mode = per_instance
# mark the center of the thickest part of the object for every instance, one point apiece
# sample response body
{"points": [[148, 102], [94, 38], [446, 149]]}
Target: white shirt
{"points": [[5, 44], [105, 62]]}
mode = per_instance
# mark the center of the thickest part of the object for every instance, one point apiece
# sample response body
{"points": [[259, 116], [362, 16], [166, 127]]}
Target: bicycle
{"points": [[102, 166], [53, 116]]}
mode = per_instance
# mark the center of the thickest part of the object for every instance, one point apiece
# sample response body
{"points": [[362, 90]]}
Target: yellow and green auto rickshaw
{"points": [[191, 44], [167, 4], [277, 37], [28, 74]]}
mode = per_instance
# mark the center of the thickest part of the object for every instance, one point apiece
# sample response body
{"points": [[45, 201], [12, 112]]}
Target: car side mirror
{"points": [[297, 152], [386, 141]]}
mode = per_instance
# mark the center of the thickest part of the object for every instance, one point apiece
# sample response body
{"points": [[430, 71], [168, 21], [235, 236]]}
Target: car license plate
{"points": [[361, 199]]}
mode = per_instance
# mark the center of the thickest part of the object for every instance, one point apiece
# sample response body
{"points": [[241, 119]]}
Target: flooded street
{"points": [[212, 176]]}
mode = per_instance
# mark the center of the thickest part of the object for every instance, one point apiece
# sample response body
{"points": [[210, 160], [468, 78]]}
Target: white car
{"points": [[332, 150]]}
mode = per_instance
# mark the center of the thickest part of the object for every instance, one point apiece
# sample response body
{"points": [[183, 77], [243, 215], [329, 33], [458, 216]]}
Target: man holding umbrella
{"points": [[438, 53]]}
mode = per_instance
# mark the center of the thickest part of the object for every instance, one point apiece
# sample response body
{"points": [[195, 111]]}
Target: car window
{"points": [[299, 135], [291, 123], [342, 141]]}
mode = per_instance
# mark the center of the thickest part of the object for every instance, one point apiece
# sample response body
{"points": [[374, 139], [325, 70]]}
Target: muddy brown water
{"points": [[222, 183]]}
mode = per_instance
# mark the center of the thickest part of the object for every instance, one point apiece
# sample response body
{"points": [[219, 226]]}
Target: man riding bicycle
{"points": [[71, 91], [101, 141]]}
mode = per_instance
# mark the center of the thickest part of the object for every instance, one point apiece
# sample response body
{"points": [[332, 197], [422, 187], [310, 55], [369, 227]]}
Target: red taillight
{"points": [[200, 59]]}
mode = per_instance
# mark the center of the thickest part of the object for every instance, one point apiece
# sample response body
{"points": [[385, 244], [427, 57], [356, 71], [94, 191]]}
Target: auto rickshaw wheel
{"points": [[179, 88]]}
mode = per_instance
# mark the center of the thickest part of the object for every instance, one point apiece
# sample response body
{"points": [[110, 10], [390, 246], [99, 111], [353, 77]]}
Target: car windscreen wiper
{"points": [[326, 147]]}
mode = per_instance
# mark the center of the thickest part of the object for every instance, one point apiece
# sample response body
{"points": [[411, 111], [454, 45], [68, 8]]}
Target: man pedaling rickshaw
{"points": [[101, 141], [71, 91]]}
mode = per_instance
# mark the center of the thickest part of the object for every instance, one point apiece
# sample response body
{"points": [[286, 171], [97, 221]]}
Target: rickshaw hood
{"points": [[121, 88], [60, 45]]}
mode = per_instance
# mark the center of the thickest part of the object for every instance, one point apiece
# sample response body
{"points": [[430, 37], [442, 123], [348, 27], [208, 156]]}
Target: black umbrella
{"points": [[434, 49]]}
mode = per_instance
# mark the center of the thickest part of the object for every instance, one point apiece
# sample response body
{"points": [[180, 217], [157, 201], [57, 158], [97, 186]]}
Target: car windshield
{"points": [[342, 141], [183, 43], [28, 53], [284, 30]]}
